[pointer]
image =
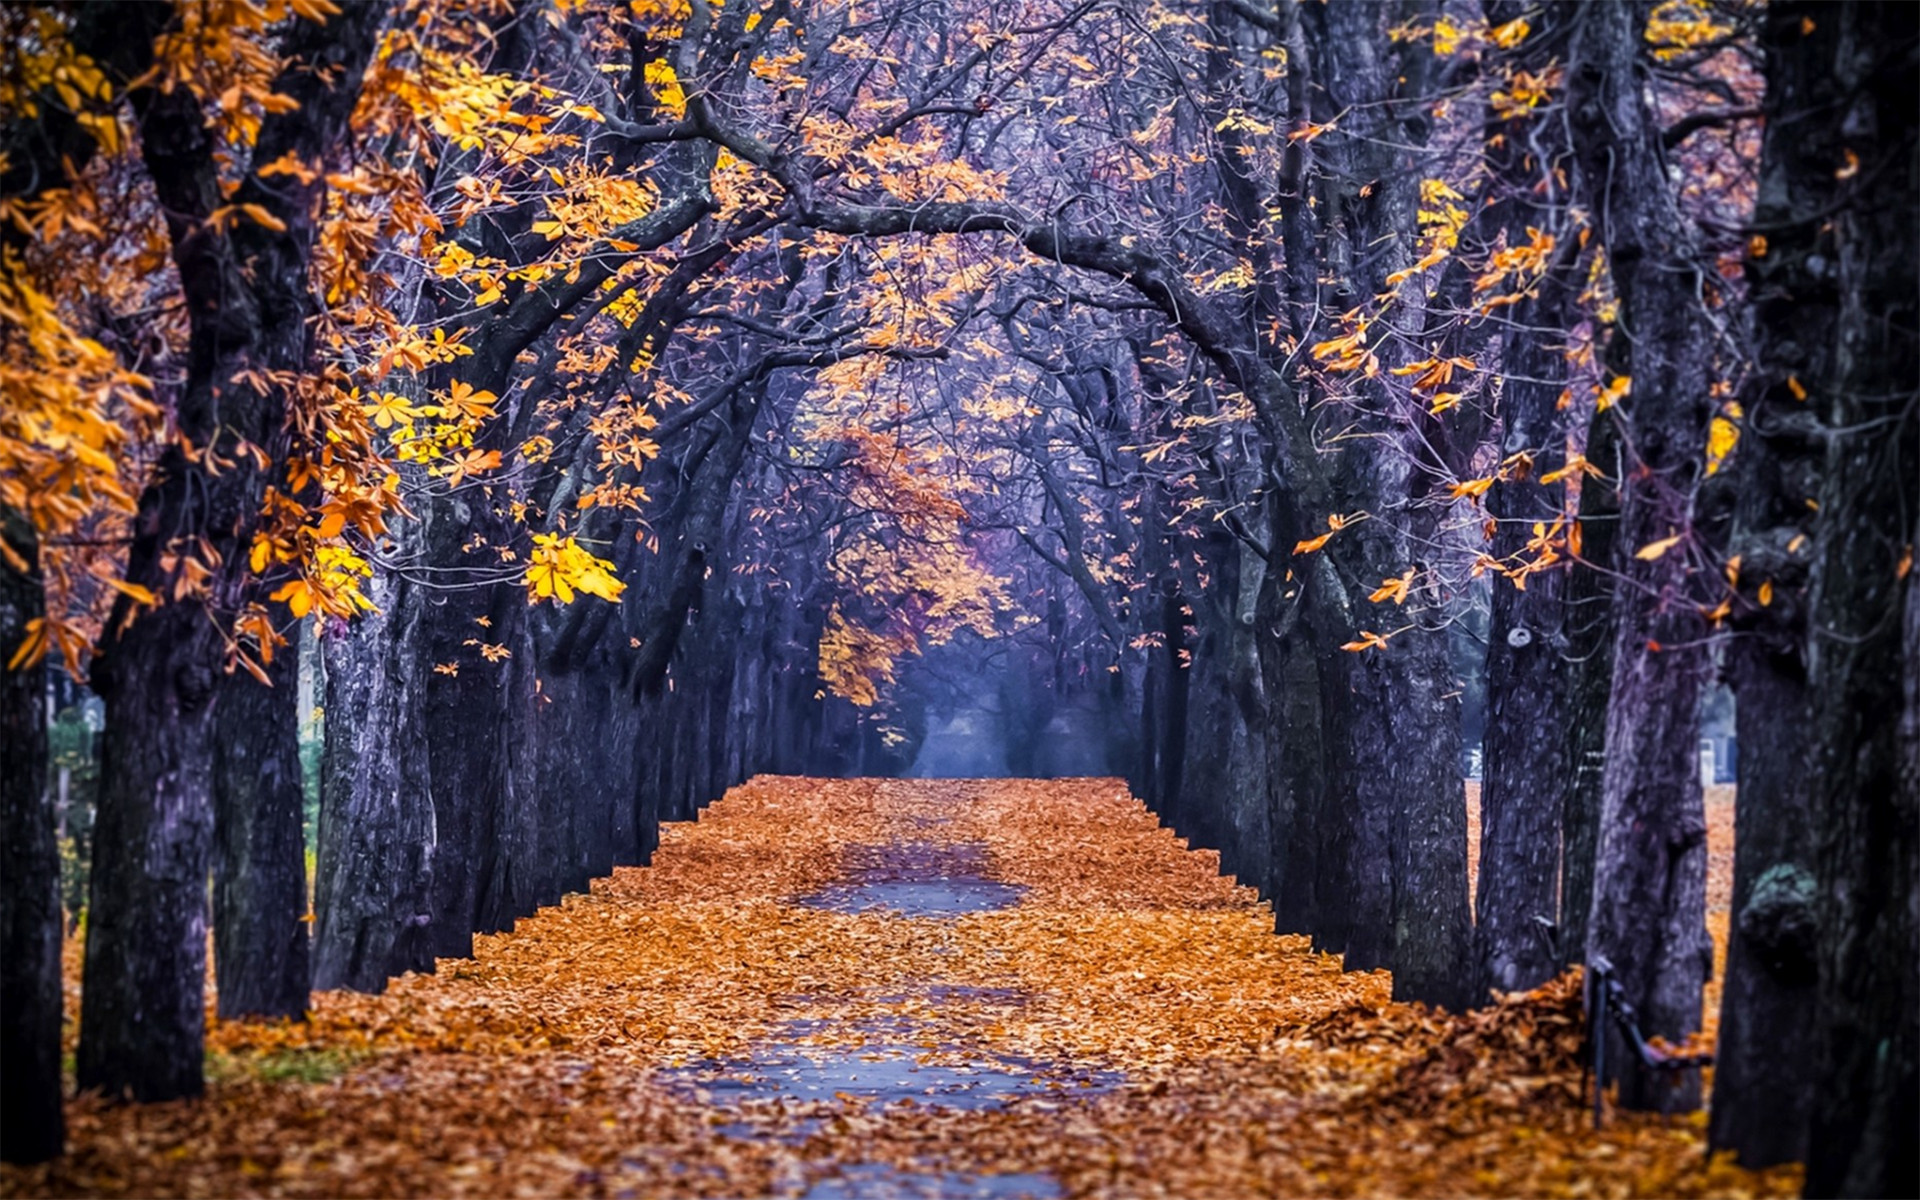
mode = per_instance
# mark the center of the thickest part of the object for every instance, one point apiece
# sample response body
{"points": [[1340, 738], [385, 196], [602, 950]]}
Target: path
{"points": [[836, 989]]}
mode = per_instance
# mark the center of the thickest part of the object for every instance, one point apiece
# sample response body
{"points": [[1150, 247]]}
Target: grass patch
{"points": [[281, 1066]]}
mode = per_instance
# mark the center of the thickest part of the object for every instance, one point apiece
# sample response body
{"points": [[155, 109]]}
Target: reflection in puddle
{"points": [[884, 1068], [786, 1085], [915, 879], [875, 1181]]}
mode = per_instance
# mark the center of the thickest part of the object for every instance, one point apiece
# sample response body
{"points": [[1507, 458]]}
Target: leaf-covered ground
{"points": [[739, 1020]]}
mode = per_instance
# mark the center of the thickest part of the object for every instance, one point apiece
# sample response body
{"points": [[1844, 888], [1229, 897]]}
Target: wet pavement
{"points": [[913, 1056], [915, 880]]}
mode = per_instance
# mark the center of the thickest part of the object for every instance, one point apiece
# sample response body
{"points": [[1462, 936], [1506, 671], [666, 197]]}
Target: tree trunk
{"points": [[378, 842], [32, 1123], [1525, 772], [1762, 1090], [142, 1016], [1761, 1084], [1855, 68], [1525, 749], [261, 948], [142, 1021], [1294, 782], [1648, 918], [1589, 668]]}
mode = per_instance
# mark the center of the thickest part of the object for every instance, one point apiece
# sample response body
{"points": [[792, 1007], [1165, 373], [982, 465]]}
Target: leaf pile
{"points": [[1164, 1040]]}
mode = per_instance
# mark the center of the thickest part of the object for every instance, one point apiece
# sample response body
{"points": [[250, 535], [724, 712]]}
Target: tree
{"points": [[1649, 901], [161, 669], [1825, 885]]}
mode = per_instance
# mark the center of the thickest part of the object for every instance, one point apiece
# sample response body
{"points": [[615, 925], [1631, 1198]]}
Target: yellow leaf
{"points": [[131, 589], [1765, 594], [1394, 589], [1511, 34], [33, 647], [1722, 436], [298, 596], [1653, 550], [1472, 487]]}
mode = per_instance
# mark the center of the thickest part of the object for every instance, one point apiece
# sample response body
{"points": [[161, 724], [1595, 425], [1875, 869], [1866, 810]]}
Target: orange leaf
{"points": [[1653, 550]]}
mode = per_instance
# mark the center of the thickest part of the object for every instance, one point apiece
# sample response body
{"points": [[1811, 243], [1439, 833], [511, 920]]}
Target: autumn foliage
{"points": [[1232, 1062], [446, 444]]}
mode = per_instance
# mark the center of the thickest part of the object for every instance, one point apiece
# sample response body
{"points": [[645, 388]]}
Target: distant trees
{"points": [[630, 396]]}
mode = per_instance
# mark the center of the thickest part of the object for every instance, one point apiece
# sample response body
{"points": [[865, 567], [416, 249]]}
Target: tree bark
{"points": [[142, 1015], [1648, 918], [32, 1123], [1295, 786], [1589, 668], [1525, 767], [1526, 749], [261, 948], [377, 841], [1763, 1063], [1863, 651]]}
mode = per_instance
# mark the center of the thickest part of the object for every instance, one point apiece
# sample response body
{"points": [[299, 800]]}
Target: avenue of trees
{"points": [[620, 399]]}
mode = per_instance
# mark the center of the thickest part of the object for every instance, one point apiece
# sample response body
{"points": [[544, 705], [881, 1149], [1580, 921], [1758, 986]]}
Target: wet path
{"points": [[852, 989], [893, 1047]]}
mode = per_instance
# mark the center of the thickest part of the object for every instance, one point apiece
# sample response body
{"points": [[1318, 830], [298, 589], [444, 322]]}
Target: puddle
{"points": [[786, 1086], [915, 879], [876, 1181], [885, 1072]]}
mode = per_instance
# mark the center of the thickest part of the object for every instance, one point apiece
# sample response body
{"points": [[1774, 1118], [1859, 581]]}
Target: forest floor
{"points": [[837, 989]]}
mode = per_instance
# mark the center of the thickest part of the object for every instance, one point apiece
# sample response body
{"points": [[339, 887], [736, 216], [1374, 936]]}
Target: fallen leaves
{"points": [[553, 1062]]}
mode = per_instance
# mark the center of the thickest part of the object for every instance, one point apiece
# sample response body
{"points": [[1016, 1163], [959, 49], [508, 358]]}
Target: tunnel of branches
{"points": [[546, 416]]}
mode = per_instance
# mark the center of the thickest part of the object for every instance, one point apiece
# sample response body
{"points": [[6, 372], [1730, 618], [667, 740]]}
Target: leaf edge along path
{"points": [[545, 1064]]}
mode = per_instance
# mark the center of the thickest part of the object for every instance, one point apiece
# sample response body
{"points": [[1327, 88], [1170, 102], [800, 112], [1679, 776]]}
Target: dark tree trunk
{"points": [[378, 842], [1401, 818], [1761, 1077], [39, 154], [142, 1018], [1762, 1091], [1525, 751], [142, 1021], [1648, 918], [1294, 782], [1405, 814], [1852, 250], [1589, 626], [261, 947], [32, 1124], [1526, 767]]}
